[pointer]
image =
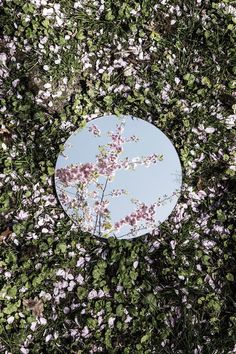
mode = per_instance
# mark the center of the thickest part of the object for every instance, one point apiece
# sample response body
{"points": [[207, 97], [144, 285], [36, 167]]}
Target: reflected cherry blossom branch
{"points": [[83, 175], [102, 210], [143, 212]]}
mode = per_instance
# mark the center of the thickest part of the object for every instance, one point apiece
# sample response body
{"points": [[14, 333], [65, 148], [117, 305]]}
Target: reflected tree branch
{"points": [[98, 218]]}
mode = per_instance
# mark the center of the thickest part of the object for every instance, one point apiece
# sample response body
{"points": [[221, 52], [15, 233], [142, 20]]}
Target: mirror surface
{"points": [[118, 177]]}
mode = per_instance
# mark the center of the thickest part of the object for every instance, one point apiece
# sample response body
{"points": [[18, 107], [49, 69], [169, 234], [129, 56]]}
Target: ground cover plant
{"points": [[171, 63]]}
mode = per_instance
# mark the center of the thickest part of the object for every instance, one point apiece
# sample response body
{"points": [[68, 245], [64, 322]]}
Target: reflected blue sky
{"points": [[146, 184]]}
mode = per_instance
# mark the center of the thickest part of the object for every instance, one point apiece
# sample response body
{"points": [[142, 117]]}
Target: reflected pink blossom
{"points": [[94, 129], [108, 162]]}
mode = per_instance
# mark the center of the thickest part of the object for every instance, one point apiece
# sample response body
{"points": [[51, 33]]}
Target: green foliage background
{"points": [[181, 295]]}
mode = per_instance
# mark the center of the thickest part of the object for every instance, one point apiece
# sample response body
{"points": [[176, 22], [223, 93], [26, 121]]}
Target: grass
{"points": [[180, 298]]}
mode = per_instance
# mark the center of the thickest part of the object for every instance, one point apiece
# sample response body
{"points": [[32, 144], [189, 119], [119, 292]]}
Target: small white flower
{"points": [[80, 262], [7, 275], [48, 338], [230, 121], [59, 21], [33, 326], [10, 319], [47, 85], [77, 4], [65, 80], [173, 244], [80, 279], [196, 131], [73, 332], [43, 321], [60, 272], [119, 288], [57, 7], [100, 320], [177, 80], [3, 58], [44, 40], [46, 67], [135, 264], [199, 267], [209, 130], [48, 296], [44, 230], [201, 194], [133, 12], [24, 350], [101, 293], [128, 71], [15, 82], [87, 65], [111, 321], [156, 244], [71, 285], [128, 319], [58, 94], [92, 294], [208, 244], [70, 254], [27, 18], [22, 215], [47, 12], [41, 222], [23, 289], [85, 331], [66, 310], [229, 9]]}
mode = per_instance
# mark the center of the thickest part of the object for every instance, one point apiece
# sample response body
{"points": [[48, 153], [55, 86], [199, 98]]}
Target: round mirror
{"points": [[118, 177]]}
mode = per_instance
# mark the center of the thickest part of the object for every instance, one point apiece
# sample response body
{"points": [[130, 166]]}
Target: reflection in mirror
{"points": [[118, 177]]}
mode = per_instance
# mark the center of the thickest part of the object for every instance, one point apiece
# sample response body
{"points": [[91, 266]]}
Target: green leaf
{"points": [[108, 100], [230, 277], [109, 16], [155, 36], [189, 77], [82, 124], [120, 310], [81, 292], [10, 308], [133, 274], [117, 112], [28, 8], [145, 338], [45, 23], [151, 300], [206, 82], [51, 171], [12, 291], [62, 247], [221, 215], [119, 325]]}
